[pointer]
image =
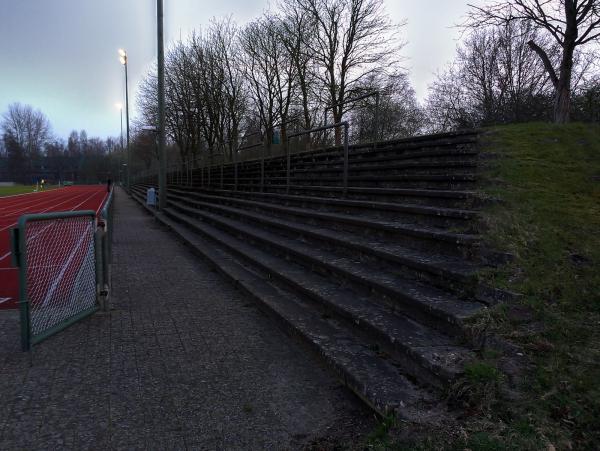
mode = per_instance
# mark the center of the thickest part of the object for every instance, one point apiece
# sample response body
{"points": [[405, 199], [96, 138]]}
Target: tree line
{"points": [[227, 85], [29, 152], [305, 63], [302, 64]]}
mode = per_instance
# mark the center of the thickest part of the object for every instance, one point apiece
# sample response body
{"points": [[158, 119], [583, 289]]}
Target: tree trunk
{"points": [[562, 104], [337, 117], [283, 131]]}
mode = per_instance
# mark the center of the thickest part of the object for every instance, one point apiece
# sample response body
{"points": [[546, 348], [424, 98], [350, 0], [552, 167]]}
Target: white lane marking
{"points": [[39, 198], [49, 208], [64, 268], [41, 202], [1, 230]]}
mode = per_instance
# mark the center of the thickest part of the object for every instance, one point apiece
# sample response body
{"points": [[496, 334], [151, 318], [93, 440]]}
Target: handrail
{"points": [[346, 126], [376, 94]]}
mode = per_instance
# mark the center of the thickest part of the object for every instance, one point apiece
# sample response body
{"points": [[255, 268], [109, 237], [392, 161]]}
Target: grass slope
{"points": [[547, 178]]}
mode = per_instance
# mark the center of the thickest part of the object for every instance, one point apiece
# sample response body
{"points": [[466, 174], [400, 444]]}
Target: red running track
{"points": [[85, 197]]}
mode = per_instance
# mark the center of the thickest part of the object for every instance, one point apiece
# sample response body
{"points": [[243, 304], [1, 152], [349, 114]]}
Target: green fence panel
{"points": [[56, 255]]}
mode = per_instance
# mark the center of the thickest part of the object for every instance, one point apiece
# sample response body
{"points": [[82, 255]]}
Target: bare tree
{"points": [[352, 39], [571, 23], [223, 40], [30, 128], [297, 32], [280, 69], [271, 73], [399, 114], [208, 80], [494, 79]]}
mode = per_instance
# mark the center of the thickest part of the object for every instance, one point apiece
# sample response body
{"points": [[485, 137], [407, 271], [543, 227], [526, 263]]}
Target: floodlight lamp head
{"points": [[122, 56]]}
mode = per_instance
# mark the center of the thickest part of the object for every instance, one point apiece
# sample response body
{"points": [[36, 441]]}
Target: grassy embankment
{"points": [[548, 180]]}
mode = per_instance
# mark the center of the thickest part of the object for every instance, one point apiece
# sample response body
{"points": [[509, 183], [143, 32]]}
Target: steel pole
{"points": [[377, 117], [127, 122], [346, 158], [121, 109], [162, 173]]}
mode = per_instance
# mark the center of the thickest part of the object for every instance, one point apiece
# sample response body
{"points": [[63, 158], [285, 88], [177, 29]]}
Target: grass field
{"points": [[20, 189], [547, 178]]}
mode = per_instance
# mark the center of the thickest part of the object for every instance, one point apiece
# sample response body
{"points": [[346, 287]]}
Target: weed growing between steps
{"points": [[547, 180]]}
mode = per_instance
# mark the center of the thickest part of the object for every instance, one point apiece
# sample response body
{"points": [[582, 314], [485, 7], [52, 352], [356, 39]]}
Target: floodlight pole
{"points": [[124, 58], [127, 127], [121, 109], [162, 172]]}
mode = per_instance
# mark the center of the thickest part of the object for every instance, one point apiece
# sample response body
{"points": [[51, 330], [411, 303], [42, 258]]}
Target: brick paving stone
{"points": [[182, 361]]}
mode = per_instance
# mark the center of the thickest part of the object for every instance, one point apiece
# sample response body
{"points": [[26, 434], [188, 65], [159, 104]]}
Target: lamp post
{"points": [[162, 173], [120, 107], [123, 59]]}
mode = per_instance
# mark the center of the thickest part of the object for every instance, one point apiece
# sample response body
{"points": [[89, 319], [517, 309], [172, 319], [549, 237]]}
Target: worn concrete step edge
{"points": [[381, 178], [423, 352], [454, 194], [387, 146], [355, 165], [408, 230], [454, 213], [460, 200], [364, 166], [370, 157], [446, 267], [426, 304], [392, 227]]}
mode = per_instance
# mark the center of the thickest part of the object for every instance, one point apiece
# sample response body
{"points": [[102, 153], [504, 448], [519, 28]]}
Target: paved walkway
{"points": [[182, 362]]}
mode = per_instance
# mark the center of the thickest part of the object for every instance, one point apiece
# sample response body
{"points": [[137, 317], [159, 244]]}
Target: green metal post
{"points": [[98, 236], [20, 257]]}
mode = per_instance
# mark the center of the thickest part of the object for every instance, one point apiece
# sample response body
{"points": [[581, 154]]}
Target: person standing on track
{"points": [[108, 185]]}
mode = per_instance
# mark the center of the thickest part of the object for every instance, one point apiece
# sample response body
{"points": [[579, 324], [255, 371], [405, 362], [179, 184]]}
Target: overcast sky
{"points": [[61, 55]]}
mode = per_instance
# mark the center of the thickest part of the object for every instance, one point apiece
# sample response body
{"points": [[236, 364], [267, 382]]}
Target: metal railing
{"points": [[213, 173], [104, 241], [262, 164], [315, 130], [375, 94]]}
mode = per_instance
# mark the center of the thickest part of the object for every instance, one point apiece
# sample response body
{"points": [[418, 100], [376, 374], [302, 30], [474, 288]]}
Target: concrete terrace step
{"points": [[414, 344], [433, 197], [374, 379], [391, 231], [400, 146], [437, 216], [428, 146], [360, 161], [376, 171], [420, 167], [431, 266], [370, 157], [348, 203], [424, 303], [378, 279], [430, 197], [413, 181]]}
